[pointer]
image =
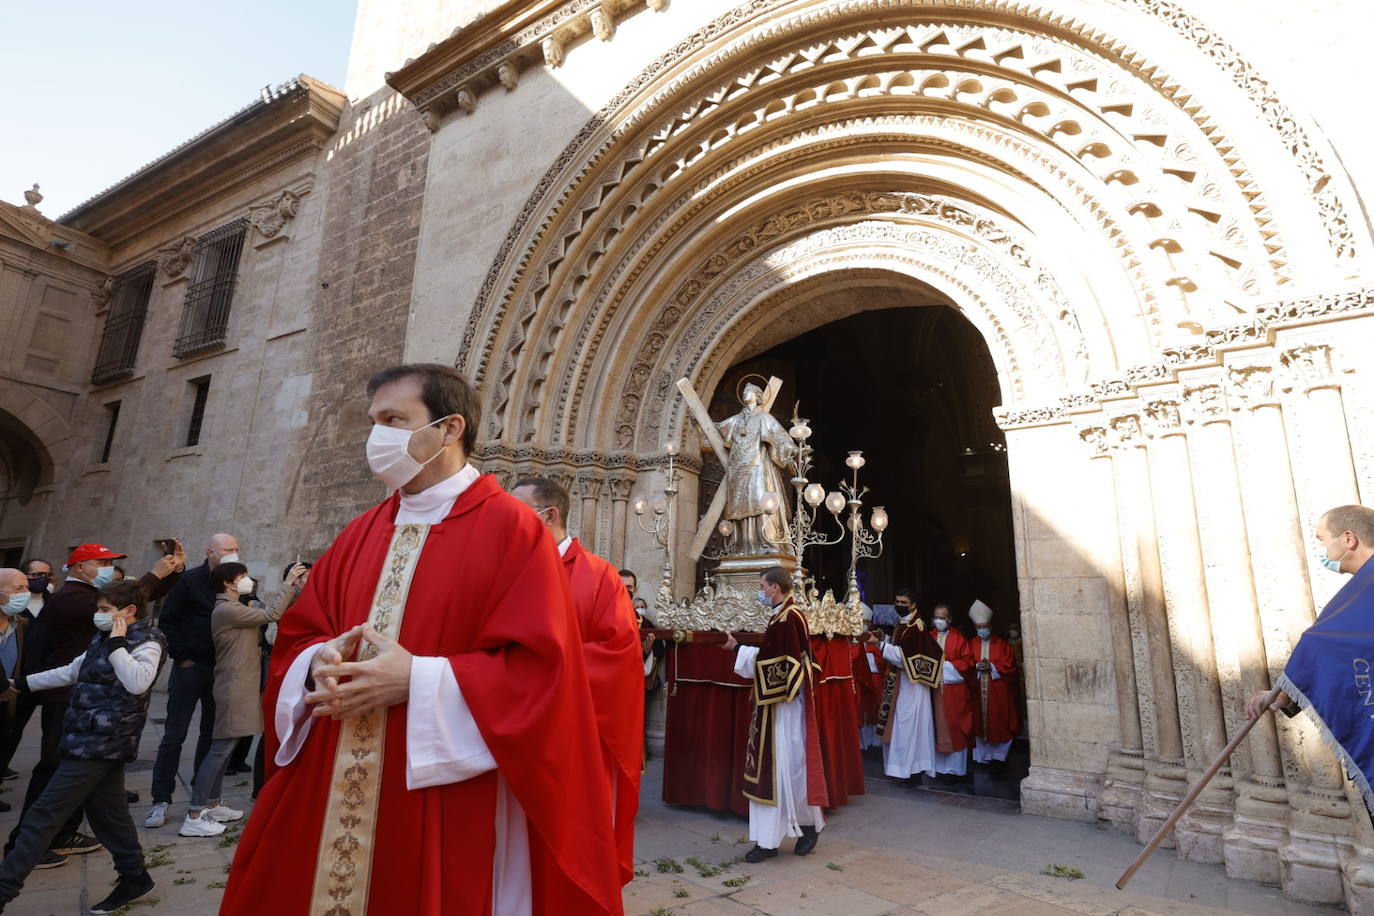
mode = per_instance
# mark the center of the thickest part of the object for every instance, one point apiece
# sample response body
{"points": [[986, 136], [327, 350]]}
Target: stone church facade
{"points": [[1149, 210]]}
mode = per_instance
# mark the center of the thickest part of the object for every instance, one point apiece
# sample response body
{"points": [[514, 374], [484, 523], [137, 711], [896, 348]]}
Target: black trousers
{"points": [[98, 785], [186, 688], [50, 715]]}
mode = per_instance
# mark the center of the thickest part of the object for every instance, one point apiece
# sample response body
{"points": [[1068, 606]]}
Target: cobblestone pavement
{"points": [[894, 850]]}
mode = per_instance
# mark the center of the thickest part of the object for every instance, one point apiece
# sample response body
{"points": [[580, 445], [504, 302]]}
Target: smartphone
{"points": [[168, 546]]}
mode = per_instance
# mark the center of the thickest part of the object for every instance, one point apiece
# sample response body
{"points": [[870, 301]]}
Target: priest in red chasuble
{"points": [[996, 719], [433, 743], [611, 649], [784, 775], [954, 710]]}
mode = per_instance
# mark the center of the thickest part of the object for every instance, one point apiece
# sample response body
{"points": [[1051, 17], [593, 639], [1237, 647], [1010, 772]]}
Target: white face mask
{"points": [[941, 624], [388, 454], [244, 586], [103, 621], [229, 557]]}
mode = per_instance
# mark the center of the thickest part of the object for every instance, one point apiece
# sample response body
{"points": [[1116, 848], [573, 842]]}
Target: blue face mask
{"points": [[103, 576], [17, 603], [763, 599], [984, 632], [1324, 560]]}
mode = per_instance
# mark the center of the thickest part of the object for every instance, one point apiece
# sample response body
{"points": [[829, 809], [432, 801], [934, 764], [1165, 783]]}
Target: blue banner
{"points": [[1331, 672]]}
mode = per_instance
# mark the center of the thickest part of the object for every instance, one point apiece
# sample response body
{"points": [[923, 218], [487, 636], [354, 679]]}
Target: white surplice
{"points": [[911, 724], [443, 743], [768, 824]]}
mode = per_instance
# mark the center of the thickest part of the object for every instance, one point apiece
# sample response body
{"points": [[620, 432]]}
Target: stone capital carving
{"points": [[620, 487], [1309, 368], [1097, 441], [1206, 404], [175, 258], [1253, 385], [1164, 418], [1127, 432], [587, 486]]}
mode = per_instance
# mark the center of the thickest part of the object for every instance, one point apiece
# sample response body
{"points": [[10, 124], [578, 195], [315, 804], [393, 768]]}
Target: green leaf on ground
{"points": [[736, 882], [1055, 870], [833, 867], [668, 865]]}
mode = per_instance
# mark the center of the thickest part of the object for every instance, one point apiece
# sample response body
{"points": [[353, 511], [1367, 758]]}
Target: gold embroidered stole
{"points": [[343, 872], [984, 679]]}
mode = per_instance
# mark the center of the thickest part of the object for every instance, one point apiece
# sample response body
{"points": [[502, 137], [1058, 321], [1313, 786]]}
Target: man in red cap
{"points": [[62, 632]]}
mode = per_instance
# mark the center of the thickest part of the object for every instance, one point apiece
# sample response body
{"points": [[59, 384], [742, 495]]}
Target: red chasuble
{"points": [[489, 594], [956, 701], [615, 669], [868, 681], [782, 671], [994, 705], [837, 714]]}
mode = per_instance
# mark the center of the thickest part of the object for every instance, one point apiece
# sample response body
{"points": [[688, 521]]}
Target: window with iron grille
{"points": [[111, 421], [200, 394], [124, 324], [205, 315]]}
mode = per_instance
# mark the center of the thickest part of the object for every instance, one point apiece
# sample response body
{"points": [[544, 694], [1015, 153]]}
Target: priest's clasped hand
{"points": [[344, 689]]}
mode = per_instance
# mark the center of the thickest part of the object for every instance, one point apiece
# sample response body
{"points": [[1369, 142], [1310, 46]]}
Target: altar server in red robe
{"points": [[954, 710], [456, 766], [996, 721], [611, 649], [784, 775]]}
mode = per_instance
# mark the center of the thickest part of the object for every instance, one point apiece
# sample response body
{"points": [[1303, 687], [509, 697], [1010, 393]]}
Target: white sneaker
{"points": [[201, 826], [157, 816], [221, 813]]}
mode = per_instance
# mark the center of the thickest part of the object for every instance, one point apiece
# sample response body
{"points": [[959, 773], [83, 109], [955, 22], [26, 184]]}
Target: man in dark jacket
{"points": [[185, 621], [62, 632]]}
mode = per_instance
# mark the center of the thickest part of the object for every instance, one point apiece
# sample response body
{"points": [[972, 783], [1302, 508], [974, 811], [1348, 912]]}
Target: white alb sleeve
{"points": [[745, 656], [892, 654], [292, 717], [443, 743], [952, 675]]}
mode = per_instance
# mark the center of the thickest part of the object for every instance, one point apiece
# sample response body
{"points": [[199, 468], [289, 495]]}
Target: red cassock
{"points": [[994, 705], [837, 715], [489, 594], [957, 702], [868, 681], [615, 669]]}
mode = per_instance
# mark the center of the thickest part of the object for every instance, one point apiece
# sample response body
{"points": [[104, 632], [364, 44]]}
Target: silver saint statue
{"points": [[758, 448]]}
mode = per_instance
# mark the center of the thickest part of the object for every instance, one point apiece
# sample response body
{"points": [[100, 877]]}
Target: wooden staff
{"points": [[1191, 797]]}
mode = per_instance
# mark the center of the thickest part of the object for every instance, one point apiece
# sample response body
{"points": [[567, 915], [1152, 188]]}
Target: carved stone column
{"points": [[586, 489], [1333, 477], [620, 486], [1164, 773], [1251, 842], [1125, 764], [1309, 862], [1195, 673]]}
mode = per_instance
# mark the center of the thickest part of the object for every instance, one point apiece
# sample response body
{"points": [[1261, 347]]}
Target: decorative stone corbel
{"points": [[553, 51], [603, 23], [102, 294], [271, 218], [431, 120], [466, 100], [657, 6], [508, 74], [176, 258]]}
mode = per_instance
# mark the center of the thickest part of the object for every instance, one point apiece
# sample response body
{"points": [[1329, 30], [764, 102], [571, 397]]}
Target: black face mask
{"points": [[39, 584]]}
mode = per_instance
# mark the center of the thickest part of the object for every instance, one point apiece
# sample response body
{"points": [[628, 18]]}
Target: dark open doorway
{"points": [[914, 389]]}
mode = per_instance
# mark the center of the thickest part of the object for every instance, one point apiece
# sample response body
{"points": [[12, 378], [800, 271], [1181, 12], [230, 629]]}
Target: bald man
{"points": [[185, 621]]}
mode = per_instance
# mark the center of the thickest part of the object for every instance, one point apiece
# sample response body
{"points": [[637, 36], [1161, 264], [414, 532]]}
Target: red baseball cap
{"points": [[93, 552]]}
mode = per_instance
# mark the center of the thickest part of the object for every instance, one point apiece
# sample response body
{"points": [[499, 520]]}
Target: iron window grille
{"points": [[205, 315], [202, 387], [112, 421], [124, 324]]}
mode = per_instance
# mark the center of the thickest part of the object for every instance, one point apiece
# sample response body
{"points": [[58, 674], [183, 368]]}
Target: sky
{"points": [[100, 88]]}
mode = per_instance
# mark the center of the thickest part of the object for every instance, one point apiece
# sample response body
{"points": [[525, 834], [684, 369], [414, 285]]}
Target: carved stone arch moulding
{"points": [[584, 162], [645, 409]]}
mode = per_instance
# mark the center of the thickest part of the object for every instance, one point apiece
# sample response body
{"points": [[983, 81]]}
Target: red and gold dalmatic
{"points": [[954, 712], [484, 589], [615, 671], [783, 670], [922, 663]]}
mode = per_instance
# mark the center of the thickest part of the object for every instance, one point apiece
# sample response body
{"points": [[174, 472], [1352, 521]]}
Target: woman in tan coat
{"points": [[238, 702]]}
